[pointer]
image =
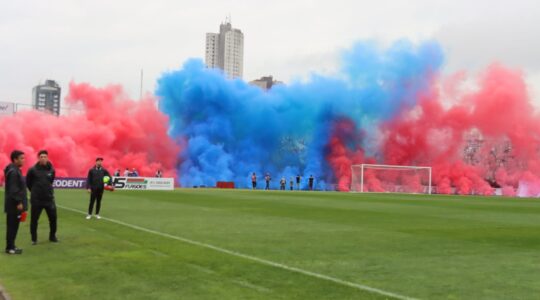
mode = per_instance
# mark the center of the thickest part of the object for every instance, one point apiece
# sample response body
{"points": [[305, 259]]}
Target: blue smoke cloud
{"points": [[229, 129]]}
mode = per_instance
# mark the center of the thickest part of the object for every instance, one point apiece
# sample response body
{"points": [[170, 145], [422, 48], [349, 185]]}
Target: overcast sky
{"points": [[104, 42]]}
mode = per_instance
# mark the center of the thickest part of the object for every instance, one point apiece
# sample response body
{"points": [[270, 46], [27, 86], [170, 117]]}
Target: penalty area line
{"points": [[263, 261]]}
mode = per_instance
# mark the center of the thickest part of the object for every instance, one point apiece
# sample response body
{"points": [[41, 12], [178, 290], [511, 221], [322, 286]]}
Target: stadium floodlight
{"points": [[390, 178]]}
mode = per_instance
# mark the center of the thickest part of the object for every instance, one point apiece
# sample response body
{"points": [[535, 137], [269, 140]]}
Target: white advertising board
{"points": [[143, 183]]}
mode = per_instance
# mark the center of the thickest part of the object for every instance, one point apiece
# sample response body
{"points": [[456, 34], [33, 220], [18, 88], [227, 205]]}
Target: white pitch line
{"points": [[251, 286], [263, 261]]}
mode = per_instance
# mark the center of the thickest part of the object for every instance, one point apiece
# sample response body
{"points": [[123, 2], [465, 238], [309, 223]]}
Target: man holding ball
{"points": [[97, 177], [15, 199]]}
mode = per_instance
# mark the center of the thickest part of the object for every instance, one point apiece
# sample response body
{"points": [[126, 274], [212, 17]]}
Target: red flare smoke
{"points": [[127, 133], [475, 142]]}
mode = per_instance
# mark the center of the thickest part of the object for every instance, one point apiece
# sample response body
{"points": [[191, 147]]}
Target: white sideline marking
{"points": [[130, 243], [201, 268], [251, 286], [158, 253], [255, 259]]}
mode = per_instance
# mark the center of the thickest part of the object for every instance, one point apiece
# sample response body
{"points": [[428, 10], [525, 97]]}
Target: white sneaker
{"points": [[98, 217], [88, 217]]}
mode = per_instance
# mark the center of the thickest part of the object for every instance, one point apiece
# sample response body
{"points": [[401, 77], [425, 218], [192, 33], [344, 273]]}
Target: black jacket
{"points": [[39, 181], [15, 193], [95, 178]]}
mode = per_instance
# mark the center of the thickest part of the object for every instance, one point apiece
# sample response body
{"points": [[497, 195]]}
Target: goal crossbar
{"points": [[388, 167]]}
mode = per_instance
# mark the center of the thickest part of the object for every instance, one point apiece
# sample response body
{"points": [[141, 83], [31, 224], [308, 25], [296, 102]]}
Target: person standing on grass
{"points": [[298, 181], [253, 181], [267, 178], [282, 183], [15, 199], [96, 186], [292, 184], [310, 181], [39, 181]]}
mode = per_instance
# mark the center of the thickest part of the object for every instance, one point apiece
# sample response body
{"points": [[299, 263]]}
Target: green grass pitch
{"points": [[233, 244]]}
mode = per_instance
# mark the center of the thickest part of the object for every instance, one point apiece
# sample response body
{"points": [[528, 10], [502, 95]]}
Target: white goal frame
{"points": [[386, 167]]}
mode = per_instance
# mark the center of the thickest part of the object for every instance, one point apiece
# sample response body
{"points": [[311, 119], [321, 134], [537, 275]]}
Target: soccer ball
{"points": [[106, 179]]}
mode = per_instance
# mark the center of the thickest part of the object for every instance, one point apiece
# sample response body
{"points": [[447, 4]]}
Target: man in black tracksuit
{"points": [[39, 181], [310, 182], [15, 201], [95, 186]]}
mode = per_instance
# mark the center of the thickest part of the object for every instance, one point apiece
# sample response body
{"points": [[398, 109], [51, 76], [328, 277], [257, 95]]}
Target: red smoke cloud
{"points": [[343, 151], [127, 133], [487, 136], [474, 141]]}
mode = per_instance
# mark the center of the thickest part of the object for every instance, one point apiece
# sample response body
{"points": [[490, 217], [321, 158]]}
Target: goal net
{"points": [[391, 179]]}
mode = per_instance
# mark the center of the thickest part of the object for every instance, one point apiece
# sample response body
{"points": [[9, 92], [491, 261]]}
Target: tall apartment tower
{"points": [[46, 97], [225, 50]]}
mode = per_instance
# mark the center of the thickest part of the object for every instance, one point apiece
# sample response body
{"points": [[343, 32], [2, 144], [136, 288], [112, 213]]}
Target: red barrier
{"points": [[225, 185]]}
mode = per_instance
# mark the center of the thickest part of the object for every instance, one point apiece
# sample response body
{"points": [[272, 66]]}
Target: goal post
{"points": [[390, 178]]}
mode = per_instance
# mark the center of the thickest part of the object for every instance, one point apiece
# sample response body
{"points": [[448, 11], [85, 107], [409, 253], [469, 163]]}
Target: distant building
{"points": [[46, 97], [7, 109], [225, 50], [265, 82]]}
